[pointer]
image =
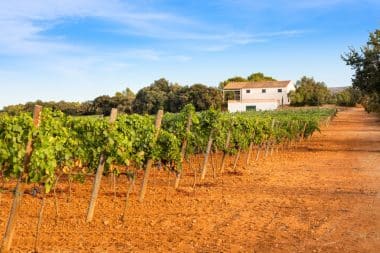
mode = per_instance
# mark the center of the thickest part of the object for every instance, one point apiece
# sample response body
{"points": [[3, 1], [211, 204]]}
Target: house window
{"points": [[264, 91], [279, 90], [237, 95], [250, 108], [248, 91]]}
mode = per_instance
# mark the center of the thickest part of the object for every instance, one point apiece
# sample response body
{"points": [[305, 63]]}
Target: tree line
{"points": [[172, 97], [161, 94], [315, 93]]}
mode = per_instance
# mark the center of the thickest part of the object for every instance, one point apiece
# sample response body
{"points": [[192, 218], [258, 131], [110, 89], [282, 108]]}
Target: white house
{"points": [[263, 95]]}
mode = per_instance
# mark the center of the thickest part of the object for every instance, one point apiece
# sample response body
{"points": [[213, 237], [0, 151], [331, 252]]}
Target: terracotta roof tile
{"points": [[261, 84]]}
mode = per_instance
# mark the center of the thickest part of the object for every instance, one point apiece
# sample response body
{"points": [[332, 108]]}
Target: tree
{"points": [[148, 101], [125, 93], [161, 94], [254, 77], [14, 109], [70, 108], [348, 97], [124, 100], [309, 92], [103, 105], [203, 97], [366, 64], [232, 79], [177, 98], [258, 76], [152, 98], [371, 102], [173, 97]]}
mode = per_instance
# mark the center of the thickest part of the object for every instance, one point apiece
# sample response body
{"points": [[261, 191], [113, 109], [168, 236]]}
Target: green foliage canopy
{"points": [[309, 92], [254, 77], [366, 64]]}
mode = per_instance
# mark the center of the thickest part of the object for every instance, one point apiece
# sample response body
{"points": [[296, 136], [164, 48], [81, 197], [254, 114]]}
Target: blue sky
{"points": [[76, 50]]}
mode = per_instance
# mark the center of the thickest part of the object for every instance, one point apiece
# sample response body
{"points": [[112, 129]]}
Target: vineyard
{"points": [[49, 146]]}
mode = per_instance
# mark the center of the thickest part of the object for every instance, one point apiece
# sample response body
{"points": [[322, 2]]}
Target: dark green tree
{"points": [[203, 97], [103, 105], [254, 77], [309, 92], [177, 98], [125, 93], [348, 97], [14, 109], [232, 79], [258, 76], [124, 100], [366, 64], [70, 108], [152, 98]]}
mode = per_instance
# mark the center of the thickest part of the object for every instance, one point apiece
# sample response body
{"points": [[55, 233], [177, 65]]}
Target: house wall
{"points": [[235, 106], [290, 87], [271, 93], [269, 100]]}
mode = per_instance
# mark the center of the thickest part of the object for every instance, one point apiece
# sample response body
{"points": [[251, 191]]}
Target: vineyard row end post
{"points": [[183, 149], [19, 190], [149, 163], [98, 176], [208, 149]]}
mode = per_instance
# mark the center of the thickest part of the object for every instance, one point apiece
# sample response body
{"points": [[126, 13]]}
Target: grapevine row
{"points": [[63, 143], [41, 148]]}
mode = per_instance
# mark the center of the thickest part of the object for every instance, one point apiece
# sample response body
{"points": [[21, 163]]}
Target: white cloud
{"points": [[23, 22], [223, 42]]}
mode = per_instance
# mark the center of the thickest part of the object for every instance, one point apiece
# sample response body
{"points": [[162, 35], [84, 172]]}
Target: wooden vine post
{"points": [[249, 153], [303, 132], [98, 176], [269, 141], [130, 188], [228, 139], [258, 151], [208, 149], [289, 142], [19, 190], [183, 149], [40, 213], [149, 163], [295, 139], [236, 159], [273, 142], [267, 147]]}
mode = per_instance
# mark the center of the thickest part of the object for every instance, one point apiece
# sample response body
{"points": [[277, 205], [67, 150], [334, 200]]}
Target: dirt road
{"points": [[322, 197]]}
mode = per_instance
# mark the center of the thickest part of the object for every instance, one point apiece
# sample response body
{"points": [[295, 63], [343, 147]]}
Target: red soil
{"points": [[321, 197]]}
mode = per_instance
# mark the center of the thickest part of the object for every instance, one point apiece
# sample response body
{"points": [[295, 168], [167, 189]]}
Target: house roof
{"points": [[253, 101], [261, 84]]}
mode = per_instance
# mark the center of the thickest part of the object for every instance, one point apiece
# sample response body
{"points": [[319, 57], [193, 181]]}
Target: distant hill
{"points": [[335, 90]]}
